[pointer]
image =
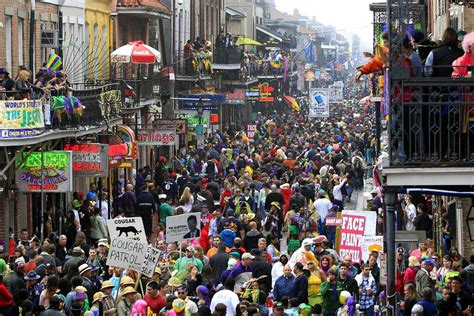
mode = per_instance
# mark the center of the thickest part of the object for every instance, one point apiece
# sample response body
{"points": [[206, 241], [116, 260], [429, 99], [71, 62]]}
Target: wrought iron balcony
{"points": [[431, 122]]}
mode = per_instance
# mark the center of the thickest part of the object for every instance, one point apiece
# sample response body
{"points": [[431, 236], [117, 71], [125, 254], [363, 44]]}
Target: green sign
{"points": [[199, 130], [193, 121], [57, 171]]}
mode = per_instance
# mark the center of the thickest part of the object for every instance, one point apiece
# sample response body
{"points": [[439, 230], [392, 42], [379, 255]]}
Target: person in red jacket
{"points": [[410, 272], [6, 299]]}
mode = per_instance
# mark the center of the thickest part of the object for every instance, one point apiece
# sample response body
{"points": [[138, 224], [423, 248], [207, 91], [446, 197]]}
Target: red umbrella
{"points": [[137, 53]]}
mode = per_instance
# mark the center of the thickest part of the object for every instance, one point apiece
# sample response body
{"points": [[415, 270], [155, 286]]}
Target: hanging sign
{"points": [[57, 171], [318, 103], [21, 118], [89, 159], [156, 137]]}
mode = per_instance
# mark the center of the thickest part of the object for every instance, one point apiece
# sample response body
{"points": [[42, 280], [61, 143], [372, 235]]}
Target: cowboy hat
{"points": [[84, 268]]}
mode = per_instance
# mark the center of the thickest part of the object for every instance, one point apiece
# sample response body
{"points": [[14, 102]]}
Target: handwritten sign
{"points": [[151, 260], [127, 254], [21, 118], [251, 129]]}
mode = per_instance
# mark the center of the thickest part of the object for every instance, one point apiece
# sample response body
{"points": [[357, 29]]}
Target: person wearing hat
{"points": [[183, 262], [6, 83], [97, 302], [81, 298], [423, 278], [32, 287], [191, 307], [278, 309], [14, 281], [242, 272], [85, 273], [108, 301], [77, 257], [330, 291], [124, 306]]}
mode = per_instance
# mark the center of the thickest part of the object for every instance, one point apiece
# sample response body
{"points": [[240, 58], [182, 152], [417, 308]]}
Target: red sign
{"points": [[266, 92], [352, 230], [333, 221], [83, 148], [89, 159], [214, 118], [118, 150]]}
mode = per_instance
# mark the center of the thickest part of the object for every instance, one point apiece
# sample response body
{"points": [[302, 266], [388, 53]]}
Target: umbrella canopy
{"points": [[292, 103], [136, 53], [247, 41]]}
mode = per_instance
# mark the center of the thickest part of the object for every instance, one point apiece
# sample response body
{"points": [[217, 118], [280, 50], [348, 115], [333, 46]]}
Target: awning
{"points": [[440, 192], [269, 33], [234, 13], [226, 66]]}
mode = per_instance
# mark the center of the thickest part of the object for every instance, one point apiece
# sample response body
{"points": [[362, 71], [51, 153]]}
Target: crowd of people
{"points": [[24, 86], [264, 248]]}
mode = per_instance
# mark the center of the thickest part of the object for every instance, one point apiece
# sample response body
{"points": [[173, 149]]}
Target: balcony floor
{"points": [[427, 177]]}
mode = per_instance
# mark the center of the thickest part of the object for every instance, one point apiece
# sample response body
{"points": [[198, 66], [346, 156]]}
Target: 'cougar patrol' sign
{"points": [[127, 254], [127, 227]]}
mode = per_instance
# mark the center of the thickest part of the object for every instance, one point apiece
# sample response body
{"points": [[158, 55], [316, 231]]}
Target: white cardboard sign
{"points": [[127, 227], [183, 227], [127, 254], [151, 260]]}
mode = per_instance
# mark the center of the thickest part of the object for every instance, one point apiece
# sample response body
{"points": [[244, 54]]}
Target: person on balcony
{"points": [[6, 83], [440, 59], [188, 57]]}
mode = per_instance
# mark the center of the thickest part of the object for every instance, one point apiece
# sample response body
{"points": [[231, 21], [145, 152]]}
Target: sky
{"points": [[348, 16]]}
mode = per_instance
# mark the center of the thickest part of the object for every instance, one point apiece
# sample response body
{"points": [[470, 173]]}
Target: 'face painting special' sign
{"points": [[57, 171], [89, 159], [21, 118], [355, 225]]}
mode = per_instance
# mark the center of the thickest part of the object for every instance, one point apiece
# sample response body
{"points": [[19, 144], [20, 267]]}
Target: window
{"points": [[8, 42], [21, 43]]}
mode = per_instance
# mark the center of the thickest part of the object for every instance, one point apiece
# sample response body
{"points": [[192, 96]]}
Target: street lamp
{"points": [[470, 222]]}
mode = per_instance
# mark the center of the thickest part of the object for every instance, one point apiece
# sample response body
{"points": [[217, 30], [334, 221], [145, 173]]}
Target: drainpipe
{"points": [[31, 63]]}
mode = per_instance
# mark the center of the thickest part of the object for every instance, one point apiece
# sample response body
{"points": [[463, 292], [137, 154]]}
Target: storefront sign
{"points": [[309, 76], [214, 118], [355, 225], [266, 92], [156, 137], [89, 159], [193, 121], [19, 119], [57, 171], [237, 97], [252, 94], [318, 103], [179, 125]]}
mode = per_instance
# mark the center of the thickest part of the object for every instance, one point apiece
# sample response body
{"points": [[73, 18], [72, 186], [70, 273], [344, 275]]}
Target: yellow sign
{"points": [[21, 118]]}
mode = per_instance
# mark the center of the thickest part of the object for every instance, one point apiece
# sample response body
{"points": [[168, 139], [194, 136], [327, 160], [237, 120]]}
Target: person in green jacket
{"points": [[330, 291], [166, 210]]}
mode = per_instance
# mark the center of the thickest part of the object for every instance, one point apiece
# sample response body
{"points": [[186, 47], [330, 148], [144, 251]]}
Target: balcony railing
{"points": [[198, 64], [431, 122]]}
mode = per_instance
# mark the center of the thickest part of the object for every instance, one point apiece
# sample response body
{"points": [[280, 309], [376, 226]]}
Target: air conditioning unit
{"points": [[50, 38]]}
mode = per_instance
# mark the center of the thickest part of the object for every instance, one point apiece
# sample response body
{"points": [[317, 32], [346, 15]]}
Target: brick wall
{"points": [[46, 14], [466, 250]]}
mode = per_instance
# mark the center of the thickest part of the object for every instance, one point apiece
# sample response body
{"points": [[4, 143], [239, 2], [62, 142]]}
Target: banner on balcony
{"points": [[89, 159], [355, 225], [21, 118], [56, 167], [152, 137], [318, 103]]}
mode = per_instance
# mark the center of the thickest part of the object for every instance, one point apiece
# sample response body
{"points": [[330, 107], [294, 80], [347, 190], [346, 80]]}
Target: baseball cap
{"points": [[20, 262], [247, 256], [255, 252], [400, 250]]}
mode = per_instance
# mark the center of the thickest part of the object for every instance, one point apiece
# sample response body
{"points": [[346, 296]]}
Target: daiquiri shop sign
{"points": [[57, 171]]}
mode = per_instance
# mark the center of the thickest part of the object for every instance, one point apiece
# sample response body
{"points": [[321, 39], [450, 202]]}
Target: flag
{"points": [[309, 53]]}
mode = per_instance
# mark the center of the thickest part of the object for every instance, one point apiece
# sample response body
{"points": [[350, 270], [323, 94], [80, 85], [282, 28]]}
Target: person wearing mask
{"points": [[284, 285], [300, 291], [367, 290]]}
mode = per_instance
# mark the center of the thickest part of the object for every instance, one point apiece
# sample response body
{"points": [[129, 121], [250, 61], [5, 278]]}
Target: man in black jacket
{"points": [[85, 274], [146, 208], [261, 268], [300, 291], [218, 262], [349, 284]]}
